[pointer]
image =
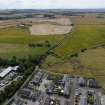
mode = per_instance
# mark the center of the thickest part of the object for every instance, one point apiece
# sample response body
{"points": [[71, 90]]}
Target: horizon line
{"points": [[49, 8]]}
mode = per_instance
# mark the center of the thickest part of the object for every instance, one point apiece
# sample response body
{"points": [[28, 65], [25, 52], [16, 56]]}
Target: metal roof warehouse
{"points": [[8, 70]]}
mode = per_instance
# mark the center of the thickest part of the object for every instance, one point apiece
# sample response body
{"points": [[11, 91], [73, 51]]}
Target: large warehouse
{"points": [[8, 70]]}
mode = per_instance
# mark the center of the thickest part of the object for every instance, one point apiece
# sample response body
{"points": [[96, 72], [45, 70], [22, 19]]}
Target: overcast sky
{"points": [[51, 4]]}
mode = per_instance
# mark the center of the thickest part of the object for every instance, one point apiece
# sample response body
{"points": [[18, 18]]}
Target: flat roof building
{"points": [[8, 70]]}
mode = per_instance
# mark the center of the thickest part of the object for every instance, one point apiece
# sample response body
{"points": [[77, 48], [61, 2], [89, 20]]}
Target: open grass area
{"points": [[90, 63], [94, 60], [19, 50], [22, 36], [14, 41], [72, 66], [84, 36]]}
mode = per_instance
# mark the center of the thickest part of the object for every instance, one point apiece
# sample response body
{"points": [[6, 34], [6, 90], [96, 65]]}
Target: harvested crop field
{"points": [[62, 20], [49, 29]]}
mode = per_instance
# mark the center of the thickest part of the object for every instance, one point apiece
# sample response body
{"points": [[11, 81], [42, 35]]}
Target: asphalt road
{"points": [[97, 101], [73, 88]]}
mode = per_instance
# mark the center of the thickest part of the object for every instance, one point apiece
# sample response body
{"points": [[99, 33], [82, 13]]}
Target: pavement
{"points": [[72, 96]]}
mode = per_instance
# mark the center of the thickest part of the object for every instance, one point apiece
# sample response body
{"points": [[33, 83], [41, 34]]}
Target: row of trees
{"points": [[44, 44]]}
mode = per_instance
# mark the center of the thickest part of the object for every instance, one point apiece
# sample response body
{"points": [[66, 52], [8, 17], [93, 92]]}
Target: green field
{"points": [[84, 36], [14, 42]]}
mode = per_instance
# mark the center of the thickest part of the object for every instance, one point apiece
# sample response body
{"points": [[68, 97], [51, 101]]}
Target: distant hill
{"points": [[49, 10], [31, 13]]}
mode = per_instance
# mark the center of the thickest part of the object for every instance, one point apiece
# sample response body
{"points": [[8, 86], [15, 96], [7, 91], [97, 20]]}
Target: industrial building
{"points": [[7, 70]]}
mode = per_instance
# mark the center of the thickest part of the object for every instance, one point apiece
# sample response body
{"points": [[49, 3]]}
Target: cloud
{"points": [[40, 4]]}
